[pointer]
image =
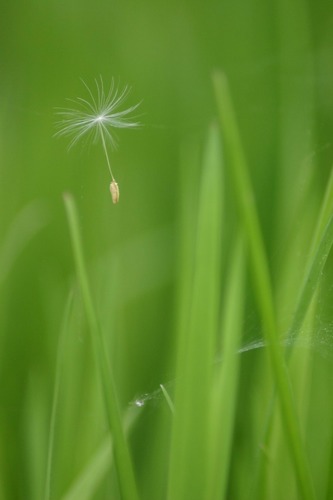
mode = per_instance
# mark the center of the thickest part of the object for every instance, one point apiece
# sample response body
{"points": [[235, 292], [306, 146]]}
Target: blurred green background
{"points": [[277, 56]]}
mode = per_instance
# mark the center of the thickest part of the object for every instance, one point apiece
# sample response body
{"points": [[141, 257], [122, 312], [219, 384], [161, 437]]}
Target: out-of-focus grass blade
{"points": [[312, 277], [225, 393], [296, 120], [189, 447], [321, 246], [261, 278], [324, 215], [167, 398], [29, 221], [58, 373], [86, 483], [122, 456], [329, 489]]}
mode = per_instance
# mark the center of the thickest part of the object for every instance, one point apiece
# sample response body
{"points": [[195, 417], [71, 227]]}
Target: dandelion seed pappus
{"points": [[98, 116]]}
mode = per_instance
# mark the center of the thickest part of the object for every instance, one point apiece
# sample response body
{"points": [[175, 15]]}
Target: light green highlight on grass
{"points": [[122, 456], [261, 279], [167, 398], [225, 390], [197, 336], [84, 486]]}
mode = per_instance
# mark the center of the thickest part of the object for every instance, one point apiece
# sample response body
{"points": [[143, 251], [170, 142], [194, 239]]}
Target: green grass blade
{"points": [[329, 489], [29, 221], [58, 373], [84, 486], [168, 398], [261, 279], [326, 211], [321, 245], [296, 121], [189, 447], [225, 394], [312, 278], [121, 451]]}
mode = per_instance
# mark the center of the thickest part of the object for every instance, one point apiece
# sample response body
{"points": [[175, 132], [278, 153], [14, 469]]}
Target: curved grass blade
{"points": [[167, 398], [58, 373], [84, 486], [122, 456], [261, 279], [321, 246], [225, 392], [312, 278], [324, 215], [197, 336]]}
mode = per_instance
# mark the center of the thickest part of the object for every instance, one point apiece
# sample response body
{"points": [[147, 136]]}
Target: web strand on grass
{"points": [[320, 342]]}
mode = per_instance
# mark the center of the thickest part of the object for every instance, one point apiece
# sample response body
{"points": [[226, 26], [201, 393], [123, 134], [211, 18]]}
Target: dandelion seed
{"points": [[114, 189], [98, 116]]}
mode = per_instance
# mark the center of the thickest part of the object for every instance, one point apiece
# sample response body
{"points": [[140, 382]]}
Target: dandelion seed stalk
{"points": [[106, 152]]}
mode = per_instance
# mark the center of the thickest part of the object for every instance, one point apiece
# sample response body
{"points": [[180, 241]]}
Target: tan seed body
{"points": [[114, 190]]}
